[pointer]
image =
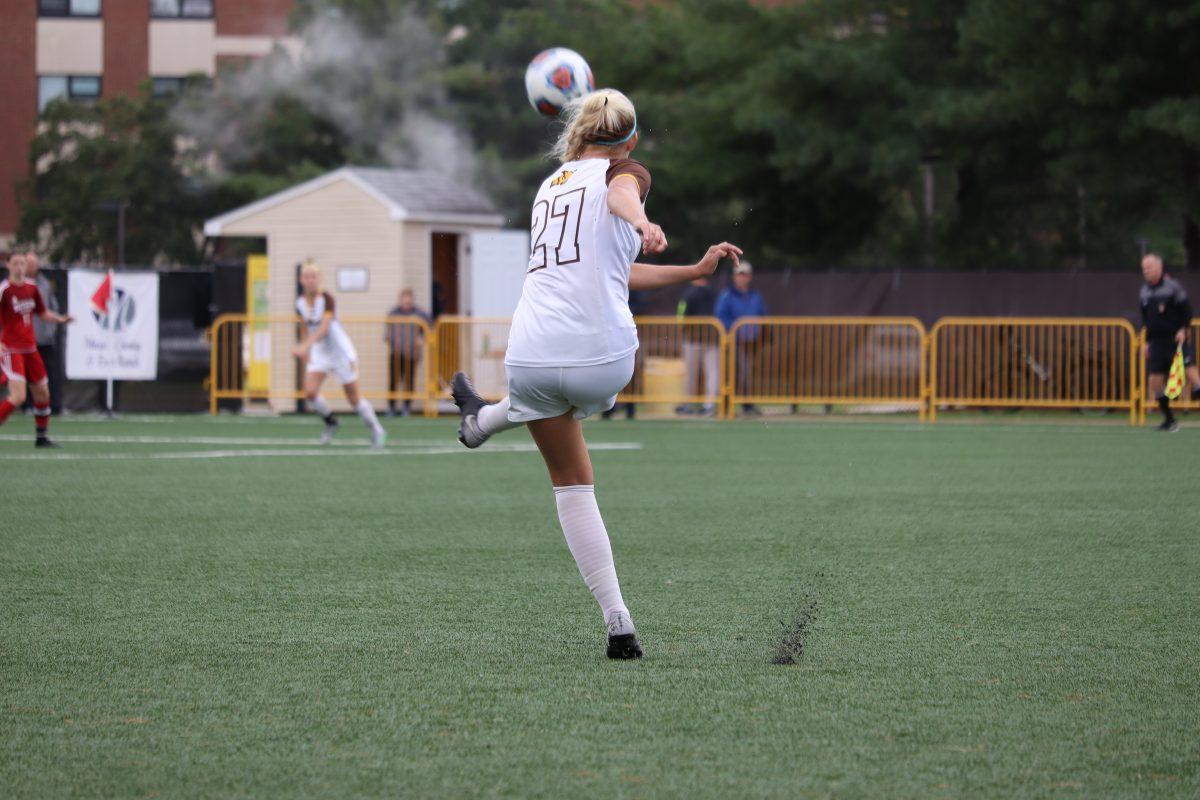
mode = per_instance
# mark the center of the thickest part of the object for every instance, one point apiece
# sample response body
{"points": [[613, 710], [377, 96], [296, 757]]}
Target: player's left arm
{"points": [[1185, 316], [42, 311], [656, 276]]}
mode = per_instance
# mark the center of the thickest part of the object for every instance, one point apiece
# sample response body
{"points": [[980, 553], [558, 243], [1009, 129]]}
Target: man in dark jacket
{"points": [[1167, 314]]}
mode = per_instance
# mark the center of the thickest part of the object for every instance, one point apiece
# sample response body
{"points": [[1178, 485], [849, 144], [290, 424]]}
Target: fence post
{"points": [[432, 385], [931, 376]]}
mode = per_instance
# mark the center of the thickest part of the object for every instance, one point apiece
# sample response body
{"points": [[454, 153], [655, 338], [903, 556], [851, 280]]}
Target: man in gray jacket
{"points": [[47, 333]]}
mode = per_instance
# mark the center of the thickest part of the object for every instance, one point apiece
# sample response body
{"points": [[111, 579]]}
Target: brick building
{"points": [[89, 49]]}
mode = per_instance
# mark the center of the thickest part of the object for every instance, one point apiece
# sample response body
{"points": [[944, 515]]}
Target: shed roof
{"points": [[408, 195]]}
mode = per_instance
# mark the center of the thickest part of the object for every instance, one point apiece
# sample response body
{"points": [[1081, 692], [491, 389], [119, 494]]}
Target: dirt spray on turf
{"points": [[797, 628]]}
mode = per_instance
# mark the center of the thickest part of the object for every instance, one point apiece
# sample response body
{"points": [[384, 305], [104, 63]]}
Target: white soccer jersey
{"points": [[336, 346], [574, 307]]}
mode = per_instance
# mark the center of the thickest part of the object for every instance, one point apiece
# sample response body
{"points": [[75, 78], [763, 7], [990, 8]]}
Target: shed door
{"points": [[499, 260], [444, 247]]}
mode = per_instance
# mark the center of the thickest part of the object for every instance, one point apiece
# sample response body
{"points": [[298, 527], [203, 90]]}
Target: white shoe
{"points": [[378, 438], [330, 430]]}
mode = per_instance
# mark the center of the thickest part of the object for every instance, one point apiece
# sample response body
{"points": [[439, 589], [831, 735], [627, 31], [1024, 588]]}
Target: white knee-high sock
{"points": [[494, 418], [319, 406], [367, 414], [588, 540]]}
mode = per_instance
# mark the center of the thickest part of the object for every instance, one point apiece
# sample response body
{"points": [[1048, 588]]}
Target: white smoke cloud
{"points": [[381, 89]]}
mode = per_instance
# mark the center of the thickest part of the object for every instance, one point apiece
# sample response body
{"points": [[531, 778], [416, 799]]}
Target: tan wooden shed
{"points": [[373, 231]]}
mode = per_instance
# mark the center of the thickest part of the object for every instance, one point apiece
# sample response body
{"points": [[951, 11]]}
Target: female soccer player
{"points": [[326, 348], [20, 362], [573, 339]]}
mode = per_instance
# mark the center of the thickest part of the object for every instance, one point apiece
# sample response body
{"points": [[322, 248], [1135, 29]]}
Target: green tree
{"points": [[1108, 92], [123, 149]]}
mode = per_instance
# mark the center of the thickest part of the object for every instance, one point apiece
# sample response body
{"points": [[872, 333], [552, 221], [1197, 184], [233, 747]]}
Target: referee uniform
{"points": [[1166, 311]]}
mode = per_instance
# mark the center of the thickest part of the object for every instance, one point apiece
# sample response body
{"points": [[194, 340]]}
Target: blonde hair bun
{"points": [[604, 118]]}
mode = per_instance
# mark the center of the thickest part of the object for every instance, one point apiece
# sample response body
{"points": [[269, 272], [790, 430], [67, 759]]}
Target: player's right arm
{"points": [[301, 350]]}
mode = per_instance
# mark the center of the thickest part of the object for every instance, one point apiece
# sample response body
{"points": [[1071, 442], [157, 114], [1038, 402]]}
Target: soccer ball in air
{"points": [[555, 77]]}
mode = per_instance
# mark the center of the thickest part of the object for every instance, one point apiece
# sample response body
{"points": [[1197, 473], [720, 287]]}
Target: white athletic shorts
{"points": [[342, 368], [545, 392]]}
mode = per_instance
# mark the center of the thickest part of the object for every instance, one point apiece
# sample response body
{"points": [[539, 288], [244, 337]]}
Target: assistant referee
{"points": [[1166, 313]]}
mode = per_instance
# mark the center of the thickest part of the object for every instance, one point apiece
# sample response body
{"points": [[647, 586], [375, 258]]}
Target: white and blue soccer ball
{"points": [[555, 77]]}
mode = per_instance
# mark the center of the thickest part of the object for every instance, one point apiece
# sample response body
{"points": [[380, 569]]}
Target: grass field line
{"points": [[90, 438], [316, 451], [1079, 425]]}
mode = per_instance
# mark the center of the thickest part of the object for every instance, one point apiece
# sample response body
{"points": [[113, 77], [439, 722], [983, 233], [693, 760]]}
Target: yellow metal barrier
{"points": [[476, 346], [876, 361], [879, 361], [393, 361], [1033, 363], [673, 353], [1148, 403], [680, 361]]}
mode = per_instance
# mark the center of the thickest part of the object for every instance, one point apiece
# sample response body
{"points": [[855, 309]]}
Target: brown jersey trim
{"points": [[329, 304], [633, 169]]}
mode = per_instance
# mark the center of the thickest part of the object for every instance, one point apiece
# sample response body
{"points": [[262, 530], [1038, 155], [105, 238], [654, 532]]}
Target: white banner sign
{"points": [[121, 344]]}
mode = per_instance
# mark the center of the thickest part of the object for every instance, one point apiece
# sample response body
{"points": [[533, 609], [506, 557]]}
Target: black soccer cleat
{"points": [[1169, 426], [46, 441], [624, 647], [469, 402], [622, 639]]}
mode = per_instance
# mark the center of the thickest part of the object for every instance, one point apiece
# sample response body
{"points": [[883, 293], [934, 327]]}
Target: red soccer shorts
{"points": [[23, 367]]}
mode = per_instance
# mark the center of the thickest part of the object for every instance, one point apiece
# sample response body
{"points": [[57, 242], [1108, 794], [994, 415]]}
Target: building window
{"points": [[69, 8], [167, 87], [181, 9], [83, 88]]}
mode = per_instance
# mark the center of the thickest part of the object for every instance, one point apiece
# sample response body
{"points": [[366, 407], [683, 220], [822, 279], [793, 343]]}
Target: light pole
{"points": [[120, 207]]}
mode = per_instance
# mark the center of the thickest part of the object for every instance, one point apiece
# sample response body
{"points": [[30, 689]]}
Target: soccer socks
{"points": [[494, 418], [6, 409], [1164, 405], [41, 418], [588, 541], [321, 408], [367, 414]]}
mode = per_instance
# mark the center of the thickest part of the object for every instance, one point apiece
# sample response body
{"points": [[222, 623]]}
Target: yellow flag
{"points": [[1175, 378]]}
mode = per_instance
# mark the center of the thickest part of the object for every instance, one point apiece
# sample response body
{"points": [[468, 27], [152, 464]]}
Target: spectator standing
{"points": [[700, 351], [738, 301], [47, 333], [1166, 313], [406, 344]]}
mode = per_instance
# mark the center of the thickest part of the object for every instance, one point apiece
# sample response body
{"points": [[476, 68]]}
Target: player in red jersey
{"points": [[19, 359]]}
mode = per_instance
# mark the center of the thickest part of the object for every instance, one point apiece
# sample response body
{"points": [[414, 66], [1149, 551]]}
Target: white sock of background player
{"points": [[367, 414], [494, 418], [588, 540], [321, 409]]}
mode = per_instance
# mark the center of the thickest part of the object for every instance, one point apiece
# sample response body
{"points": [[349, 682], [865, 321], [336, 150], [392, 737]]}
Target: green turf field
{"points": [[216, 608]]}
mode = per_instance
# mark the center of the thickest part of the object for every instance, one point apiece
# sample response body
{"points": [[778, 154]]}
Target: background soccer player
{"points": [[327, 348], [1166, 314], [20, 302]]}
